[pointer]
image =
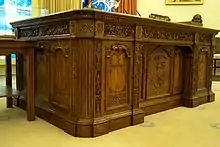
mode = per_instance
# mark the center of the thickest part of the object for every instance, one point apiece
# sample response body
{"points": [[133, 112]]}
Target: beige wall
{"points": [[209, 10]]}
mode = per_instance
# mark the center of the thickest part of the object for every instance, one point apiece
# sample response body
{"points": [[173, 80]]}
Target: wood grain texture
{"points": [[98, 72]]}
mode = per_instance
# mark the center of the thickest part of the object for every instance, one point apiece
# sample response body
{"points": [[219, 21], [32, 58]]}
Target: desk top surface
{"points": [[89, 13]]}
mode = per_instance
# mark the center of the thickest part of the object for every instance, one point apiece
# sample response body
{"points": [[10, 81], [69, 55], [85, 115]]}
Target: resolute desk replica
{"points": [[97, 72]]}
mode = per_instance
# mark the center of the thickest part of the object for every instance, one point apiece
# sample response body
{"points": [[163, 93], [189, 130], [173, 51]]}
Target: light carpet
{"points": [[179, 127]]}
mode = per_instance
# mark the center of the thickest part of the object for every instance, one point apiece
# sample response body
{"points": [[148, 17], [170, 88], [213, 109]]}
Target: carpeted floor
{"points": [[180, 127]]}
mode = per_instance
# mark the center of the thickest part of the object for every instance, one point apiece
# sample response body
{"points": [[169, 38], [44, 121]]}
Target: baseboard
{"points": [[87, 127], [198, 99], [60, 122], [152, 109]]}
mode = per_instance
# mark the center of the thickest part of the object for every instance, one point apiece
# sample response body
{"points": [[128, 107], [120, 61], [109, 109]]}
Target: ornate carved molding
{"points": [[98, 79], [73, 28], [99, 28], [137, 63], [119, 30], [151, 32], [46, 30]]}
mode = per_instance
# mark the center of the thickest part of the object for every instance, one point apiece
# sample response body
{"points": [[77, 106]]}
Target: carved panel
{"points": [[202, 68], [159, 72], [152, 32], [46, 30], [85, 28], [119, 30], [205, 38], [178, 71], [60, 75], [117, 76], [43, 73]]}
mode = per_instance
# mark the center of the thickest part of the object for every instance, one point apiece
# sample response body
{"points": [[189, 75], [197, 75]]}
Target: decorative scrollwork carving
{"points": [[166, 34], [46, 30], [137, 65], [119, 30], [98, 79]]}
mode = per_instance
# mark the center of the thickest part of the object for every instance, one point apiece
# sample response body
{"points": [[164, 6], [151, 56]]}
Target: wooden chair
{"points": [[10, 46]]}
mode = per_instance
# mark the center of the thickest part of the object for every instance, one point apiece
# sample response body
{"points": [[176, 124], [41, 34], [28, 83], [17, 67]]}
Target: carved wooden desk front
{"points": [[98, 72]]}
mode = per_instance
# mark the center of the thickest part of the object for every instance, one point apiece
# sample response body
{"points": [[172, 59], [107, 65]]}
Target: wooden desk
{"points": [[10, 46], [98, 72]]}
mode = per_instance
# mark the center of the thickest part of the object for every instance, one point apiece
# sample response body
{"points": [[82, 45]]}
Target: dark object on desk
{"points": [[99, 72], [197, 20], [159, 17]]}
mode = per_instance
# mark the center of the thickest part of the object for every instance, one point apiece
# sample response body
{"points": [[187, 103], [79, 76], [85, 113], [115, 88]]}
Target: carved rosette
{"points": [[166, 34], [137, 66], [98, 79]]}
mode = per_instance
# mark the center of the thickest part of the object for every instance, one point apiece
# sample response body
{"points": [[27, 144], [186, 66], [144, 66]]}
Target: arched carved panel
{"points": [[159, 72], [117, 76], [43, 73], [60, 75]]}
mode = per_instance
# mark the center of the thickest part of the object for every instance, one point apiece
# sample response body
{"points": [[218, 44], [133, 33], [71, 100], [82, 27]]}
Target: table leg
{"points": [[19, 74], [30, 86], [9, 79]]}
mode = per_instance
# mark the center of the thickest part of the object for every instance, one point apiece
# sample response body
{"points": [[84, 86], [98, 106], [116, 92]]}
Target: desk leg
{"points": [[19, 74], [30, 86], [214, 67], [9, 79]]}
